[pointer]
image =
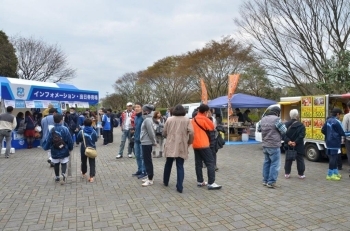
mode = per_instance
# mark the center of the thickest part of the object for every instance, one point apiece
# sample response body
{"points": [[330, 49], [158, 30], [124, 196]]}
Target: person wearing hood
{"points": [[294, 139], [60, 155], [90, 137], [141, 170], [148, 140], [73, 123]]}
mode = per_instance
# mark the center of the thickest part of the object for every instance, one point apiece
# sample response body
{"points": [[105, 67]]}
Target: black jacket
{"points": [[295, 133]]}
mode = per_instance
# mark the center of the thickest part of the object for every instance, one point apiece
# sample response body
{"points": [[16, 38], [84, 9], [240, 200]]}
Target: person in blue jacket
{"points": [[59, 155], [333, 132], [141, 170], [90, 137]]}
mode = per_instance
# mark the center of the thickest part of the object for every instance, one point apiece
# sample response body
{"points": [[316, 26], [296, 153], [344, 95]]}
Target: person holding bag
{"points": [[88, 139], [294, 144]]}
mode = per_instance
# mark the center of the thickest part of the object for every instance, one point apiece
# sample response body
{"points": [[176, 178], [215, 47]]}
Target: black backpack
{"points": [[115, 122], [57, 141], [72, 124]]}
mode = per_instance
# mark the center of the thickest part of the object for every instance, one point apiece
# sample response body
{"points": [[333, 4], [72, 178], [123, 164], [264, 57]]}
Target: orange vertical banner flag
{"points": [[204, 92], [232, 85]]}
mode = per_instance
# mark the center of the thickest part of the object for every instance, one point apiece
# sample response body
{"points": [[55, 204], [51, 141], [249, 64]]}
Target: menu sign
{"points": [[313, 113], [317, 126], [319, 107], [306, 115]]}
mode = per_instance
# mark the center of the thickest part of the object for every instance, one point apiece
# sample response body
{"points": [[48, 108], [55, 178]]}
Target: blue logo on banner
{"points": [[38, 104], [20, 92], [20, 104]]}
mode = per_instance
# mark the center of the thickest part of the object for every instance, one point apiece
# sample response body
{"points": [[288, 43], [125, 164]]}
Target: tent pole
{"points": [[228, 124]]}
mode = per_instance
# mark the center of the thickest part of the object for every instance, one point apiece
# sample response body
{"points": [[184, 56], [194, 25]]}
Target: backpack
{"points": [[72, 125], [115, 122], [57, 141]]}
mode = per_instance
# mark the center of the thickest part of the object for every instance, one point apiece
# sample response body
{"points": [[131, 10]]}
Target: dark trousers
{"points": [[107, 137], [92, 165], [333, 159], [57, 169], [300, 165], [111, 138], [347, 146], [214, 155], [76, 135], [147, 159], [206, 155], [340, 161], [180, 172]]}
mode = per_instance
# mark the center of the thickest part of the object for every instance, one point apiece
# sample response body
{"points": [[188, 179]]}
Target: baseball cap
{"points": [[129, 104], [336, 111]]}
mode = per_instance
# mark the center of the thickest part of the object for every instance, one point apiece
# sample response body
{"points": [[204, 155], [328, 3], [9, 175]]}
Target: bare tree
{"points": [[215, 62], [170, 84], [295, 37], [41, 62], [133, 89]]}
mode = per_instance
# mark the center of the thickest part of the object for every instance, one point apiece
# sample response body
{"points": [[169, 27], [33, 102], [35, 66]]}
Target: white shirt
{"points": [[127, 123]]}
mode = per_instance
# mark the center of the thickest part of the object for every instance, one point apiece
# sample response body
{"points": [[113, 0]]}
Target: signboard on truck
{"points": [[313, 115]]}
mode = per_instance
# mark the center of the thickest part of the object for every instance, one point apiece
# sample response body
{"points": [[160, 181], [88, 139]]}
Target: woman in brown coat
{"points": [[178, 131]]}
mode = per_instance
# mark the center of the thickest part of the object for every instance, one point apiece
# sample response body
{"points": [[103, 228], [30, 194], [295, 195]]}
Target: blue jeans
{"points": [[139, 157], [125, 135], [272, 164], [180, 172]]}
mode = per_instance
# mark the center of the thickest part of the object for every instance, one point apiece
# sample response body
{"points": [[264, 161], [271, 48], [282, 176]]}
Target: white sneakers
{"points": [[130, 156], [147, 182]]}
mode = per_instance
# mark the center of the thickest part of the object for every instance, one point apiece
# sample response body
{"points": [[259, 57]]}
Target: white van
{"points": [[190, 107]]}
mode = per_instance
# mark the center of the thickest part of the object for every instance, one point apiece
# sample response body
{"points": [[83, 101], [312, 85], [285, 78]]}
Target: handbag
{"points": [[89, 151], [211, 134], [291, 154]]}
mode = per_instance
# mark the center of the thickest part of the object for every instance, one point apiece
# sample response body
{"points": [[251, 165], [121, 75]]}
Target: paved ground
{"points": [[30, 200]]}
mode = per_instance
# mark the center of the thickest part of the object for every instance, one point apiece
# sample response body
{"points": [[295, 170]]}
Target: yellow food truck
{"points": [[313, 111]]}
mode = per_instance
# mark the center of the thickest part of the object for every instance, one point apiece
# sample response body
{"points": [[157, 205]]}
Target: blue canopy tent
{"points": [[241, 100], [26, 94]]}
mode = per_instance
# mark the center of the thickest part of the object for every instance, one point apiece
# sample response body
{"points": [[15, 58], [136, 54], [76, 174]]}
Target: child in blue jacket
{"points": [[60, 142], [90, 136]]}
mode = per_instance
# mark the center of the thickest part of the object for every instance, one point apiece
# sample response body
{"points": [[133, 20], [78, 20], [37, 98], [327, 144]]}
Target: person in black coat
{"points": [[294, 139]]}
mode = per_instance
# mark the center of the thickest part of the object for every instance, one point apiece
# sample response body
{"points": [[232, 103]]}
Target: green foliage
{"points": [[162, 110], [336, 73], [8, 59]]}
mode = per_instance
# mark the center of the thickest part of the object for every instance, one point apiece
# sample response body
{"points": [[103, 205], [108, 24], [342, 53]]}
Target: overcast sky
{"points": [[103, 39]]}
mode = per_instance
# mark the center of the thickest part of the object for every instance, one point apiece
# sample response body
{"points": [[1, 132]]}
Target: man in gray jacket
{"points": [[148, 140], [272, 130], [7, 124]]}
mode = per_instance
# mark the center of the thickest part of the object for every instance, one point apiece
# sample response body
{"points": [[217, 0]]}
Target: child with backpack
{"points": [[90, 136], [60, 142]]}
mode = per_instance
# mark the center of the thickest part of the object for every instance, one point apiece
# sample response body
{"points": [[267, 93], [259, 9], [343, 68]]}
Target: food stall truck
{"points": [[313, 111], [25, 95]]}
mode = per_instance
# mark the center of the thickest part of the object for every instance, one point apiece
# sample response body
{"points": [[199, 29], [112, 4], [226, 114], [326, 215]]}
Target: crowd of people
{"points": [[293, 134], [152, 135]]}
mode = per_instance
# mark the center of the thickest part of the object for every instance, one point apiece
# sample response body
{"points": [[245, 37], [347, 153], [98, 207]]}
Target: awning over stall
{"points": [[288, 102], [241, 101], [26, 94]]}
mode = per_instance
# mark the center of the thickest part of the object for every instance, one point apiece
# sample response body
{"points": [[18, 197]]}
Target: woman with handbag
{"points": [[88, 138], [29, 132], [294, 145]]}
